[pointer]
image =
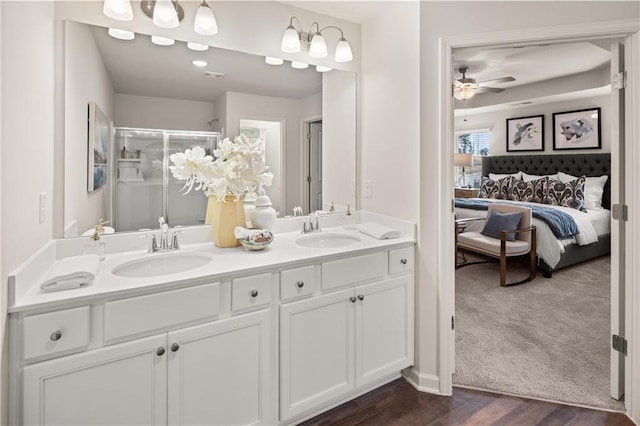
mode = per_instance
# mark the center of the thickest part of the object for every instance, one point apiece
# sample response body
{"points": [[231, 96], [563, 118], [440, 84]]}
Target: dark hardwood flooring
{"points": [[398, 403]]}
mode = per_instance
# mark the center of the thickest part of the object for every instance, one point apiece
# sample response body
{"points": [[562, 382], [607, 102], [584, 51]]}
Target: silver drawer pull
{"points": [[360, 297], [352, 299], [56, 335], [160, 351], [254, 293], [403, 261], [300, 284], [175, 347]]}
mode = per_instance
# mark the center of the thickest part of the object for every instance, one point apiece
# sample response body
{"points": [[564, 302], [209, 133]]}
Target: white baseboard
{"points": [[423, 382]]}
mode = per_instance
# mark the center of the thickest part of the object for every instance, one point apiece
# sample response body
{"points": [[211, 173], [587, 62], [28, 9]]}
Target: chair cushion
{"points": [[502, 222], [475, 241]]}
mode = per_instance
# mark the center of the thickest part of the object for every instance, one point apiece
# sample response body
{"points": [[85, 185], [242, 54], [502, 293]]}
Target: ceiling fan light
{"points": [[162, 41], [318, 48], [197, 46], [273, 61], [121, 34], [205, 22], [343, 51], [118, 9], [165, 14], [290, 40], [463, 93], [321, 68]]}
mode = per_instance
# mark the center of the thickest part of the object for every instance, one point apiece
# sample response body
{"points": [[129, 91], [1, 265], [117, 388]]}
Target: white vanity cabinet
{"points": [[335, 343]]}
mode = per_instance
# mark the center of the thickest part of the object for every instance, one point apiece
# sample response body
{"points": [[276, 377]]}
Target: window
{"points": [[477, 143]]}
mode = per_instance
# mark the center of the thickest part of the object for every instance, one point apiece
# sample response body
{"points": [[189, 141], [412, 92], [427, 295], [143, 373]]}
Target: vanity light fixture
{"points": [[205, 22], [199, 63], [321, 68], [121, 34], [273, 61], [294, 40], [119, 10], [162, 41], [197, 46], [165, 13], [299, 65]]}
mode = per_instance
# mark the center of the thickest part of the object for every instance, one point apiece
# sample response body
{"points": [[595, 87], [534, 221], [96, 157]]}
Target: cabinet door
{"points": [[384, 328], [119, 385], [219, 372], [316, 351]]}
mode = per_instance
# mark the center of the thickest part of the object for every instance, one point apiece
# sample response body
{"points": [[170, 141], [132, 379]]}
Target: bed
{"points": [[554, 253]]}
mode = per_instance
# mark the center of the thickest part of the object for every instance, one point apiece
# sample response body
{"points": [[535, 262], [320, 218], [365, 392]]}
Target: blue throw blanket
{"points": [[561, 224]]}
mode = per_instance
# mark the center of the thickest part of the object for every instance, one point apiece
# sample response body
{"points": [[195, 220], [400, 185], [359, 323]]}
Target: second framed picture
{"points": [[525, 133], [577, 129]]}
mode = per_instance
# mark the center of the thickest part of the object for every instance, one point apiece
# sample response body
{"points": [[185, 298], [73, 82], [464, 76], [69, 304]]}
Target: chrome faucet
{"points": [[312, 224], [166, 242]]}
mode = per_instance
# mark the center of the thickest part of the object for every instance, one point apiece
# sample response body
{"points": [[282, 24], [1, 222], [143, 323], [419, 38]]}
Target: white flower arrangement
{"points": [[239, 167]]}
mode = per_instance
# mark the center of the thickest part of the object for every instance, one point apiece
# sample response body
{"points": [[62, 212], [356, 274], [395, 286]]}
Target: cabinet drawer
{"points": [[251, 292], [401, 260], [297, 282], [354, 269], [155, 311], [53, 332]]}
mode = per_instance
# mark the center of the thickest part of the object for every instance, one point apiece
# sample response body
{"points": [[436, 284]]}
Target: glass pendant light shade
{"points": [[463, 93], [318, 48], [299, 65], [121, 34], [321, 68], [343, 51], [165, 14], [197, 46], [162, 41], [118, 9], [290, 40], [273, 61], [205, 23]]}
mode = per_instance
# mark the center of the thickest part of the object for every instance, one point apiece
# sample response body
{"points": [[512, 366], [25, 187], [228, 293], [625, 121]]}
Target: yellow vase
{"points": [[224, 216]]}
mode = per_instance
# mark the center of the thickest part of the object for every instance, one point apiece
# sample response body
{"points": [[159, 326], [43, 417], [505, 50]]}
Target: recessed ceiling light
{"points": [[162, 41], [197, 46], [199, 63], [320, 68], [273, 61], [121, 34], [299, 65]]}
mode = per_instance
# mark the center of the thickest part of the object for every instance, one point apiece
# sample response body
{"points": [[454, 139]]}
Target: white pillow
{"points": [[528, 178], [593, 189], [496, 176]]}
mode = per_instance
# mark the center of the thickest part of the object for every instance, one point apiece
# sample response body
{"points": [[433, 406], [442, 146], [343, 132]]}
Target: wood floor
{"points": [[398, 403]]}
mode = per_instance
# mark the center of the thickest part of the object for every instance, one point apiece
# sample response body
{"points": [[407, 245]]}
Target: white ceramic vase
{"points": [[263, 216]]}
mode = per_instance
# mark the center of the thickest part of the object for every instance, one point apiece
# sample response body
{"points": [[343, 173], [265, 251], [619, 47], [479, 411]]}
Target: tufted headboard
{"points": [[575, 164]]}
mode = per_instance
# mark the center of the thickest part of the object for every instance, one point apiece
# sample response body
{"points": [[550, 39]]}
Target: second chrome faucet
{"points": [[166, 242]]}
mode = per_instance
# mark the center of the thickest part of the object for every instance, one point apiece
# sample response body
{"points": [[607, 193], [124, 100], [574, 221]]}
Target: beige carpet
{"points": [[548, 338]]}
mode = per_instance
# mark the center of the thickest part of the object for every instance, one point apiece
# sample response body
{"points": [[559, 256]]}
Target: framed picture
{"points": [[577, 129], [525, 133], [98, 148]]}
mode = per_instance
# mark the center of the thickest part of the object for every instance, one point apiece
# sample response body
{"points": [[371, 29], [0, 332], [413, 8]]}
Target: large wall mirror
{"points": [[155, 97]]}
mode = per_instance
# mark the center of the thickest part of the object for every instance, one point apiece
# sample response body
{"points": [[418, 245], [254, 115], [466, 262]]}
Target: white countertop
{"points": [[283, 252]]}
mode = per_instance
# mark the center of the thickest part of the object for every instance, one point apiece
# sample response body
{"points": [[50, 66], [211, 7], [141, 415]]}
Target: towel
{"points": [[378, 231], [72, 272]]}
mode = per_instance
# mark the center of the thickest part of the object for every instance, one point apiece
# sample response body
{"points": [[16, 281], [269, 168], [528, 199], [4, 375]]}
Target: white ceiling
{"points": [[139, 67]]}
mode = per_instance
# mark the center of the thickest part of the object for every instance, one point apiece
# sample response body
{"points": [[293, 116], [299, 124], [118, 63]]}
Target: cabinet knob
{"points": [[254, 293], [361, 297], [160, 351], [352, 299], [55, 336], [175, 347], [403, 261], [300, 284]]}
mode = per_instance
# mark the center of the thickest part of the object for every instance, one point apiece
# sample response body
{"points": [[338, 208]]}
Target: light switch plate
{"points": [[367, 189]]}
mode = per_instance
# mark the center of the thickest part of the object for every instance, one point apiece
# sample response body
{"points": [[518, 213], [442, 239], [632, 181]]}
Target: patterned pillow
{"points": [[567, 194], [534, 191], [499, 188]]}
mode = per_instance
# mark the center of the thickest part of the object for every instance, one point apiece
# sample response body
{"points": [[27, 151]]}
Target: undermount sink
{"points": [[161, 264], [327, 240]]}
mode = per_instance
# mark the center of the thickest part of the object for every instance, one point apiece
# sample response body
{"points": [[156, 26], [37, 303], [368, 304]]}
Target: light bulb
{"points": [[273, 61], [162, 41], [165, 14], [121, 34], [290, 40], [299, 65], [343, 51], [118, 9], [321, 68], [205, 22], [197, 46], [199, 63], [318, 48]]}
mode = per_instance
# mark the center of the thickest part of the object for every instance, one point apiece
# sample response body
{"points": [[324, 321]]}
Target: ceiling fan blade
{"points": [[498, 80], [483, 89]]}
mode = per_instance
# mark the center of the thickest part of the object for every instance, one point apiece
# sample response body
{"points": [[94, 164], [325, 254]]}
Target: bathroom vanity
{"points": [[269, 337]]}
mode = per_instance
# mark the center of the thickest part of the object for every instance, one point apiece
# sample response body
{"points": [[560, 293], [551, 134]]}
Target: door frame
{"points": [[446, 284], [304, 158]]}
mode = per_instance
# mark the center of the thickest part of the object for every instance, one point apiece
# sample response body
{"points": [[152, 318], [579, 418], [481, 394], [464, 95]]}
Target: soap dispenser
{"points": [[95, 246]]}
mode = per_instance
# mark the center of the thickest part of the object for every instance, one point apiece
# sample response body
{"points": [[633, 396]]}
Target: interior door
{"points": [[315, 166], [617, 225]]}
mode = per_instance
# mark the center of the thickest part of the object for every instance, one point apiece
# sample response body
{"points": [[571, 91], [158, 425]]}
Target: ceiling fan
{"points": [[465, 88]]}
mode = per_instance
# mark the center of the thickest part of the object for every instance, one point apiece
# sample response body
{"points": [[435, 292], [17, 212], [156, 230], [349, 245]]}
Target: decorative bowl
{"points": [[254, 246]]}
